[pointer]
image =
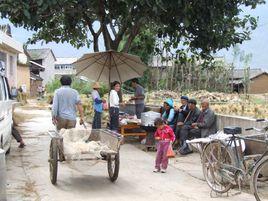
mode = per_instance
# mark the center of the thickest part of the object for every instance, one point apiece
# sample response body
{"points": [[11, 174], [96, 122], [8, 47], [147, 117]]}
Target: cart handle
{"points": [[259, 120]]}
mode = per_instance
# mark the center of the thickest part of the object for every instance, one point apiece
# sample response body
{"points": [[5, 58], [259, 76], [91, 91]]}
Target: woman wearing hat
{"points": [[169, 114], [97, 105]]}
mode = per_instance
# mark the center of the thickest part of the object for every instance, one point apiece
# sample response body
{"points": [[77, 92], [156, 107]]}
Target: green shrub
{"points": [[83, 87], [53, 85]]}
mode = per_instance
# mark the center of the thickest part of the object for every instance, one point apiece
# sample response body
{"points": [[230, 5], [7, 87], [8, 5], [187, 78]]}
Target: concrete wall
{"points": [[259, 84], [23, 75], [49, 73], [244, 122]]}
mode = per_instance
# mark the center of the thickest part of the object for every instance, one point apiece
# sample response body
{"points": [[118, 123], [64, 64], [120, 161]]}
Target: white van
{"points": [[5, 115]]}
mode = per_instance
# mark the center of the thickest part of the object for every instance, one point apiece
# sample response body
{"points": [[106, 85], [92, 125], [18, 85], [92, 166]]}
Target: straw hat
{"points": [[96, 85]]}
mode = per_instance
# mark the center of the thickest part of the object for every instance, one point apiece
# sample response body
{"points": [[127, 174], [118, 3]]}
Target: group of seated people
{"points": [[188, 121]]}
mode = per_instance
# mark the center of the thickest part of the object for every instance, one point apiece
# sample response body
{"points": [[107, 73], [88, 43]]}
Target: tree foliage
{"points": [[202, 26]]}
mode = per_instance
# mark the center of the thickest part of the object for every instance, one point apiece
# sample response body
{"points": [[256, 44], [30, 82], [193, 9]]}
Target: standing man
{"points": [[40, 90], [65, 102], [97, 105], [138, 97]]}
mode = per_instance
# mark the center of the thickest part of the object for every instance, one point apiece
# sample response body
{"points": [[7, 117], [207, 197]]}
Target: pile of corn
{"points": [[242, 109], [214, 96]]}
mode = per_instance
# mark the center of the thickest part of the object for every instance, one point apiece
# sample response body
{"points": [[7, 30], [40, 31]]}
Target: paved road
{"points": [[28, 175]]}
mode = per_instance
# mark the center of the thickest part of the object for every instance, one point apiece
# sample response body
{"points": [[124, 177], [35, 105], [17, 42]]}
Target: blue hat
{"points": [[169, 101], [185, 98]]}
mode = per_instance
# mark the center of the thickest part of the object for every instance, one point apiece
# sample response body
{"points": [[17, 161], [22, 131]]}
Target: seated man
{"points": [[180, 116], [206, 123], [185, 127], [183, 110], [203, 127]]}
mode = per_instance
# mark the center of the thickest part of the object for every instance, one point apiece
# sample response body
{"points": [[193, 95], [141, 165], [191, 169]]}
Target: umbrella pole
{"points": [[109, 80]]}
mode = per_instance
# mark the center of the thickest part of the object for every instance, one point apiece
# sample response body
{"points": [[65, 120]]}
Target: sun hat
{"points": [[96, 85]]}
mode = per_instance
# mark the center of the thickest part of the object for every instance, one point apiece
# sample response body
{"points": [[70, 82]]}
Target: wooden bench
{"points": [[123, 129]]}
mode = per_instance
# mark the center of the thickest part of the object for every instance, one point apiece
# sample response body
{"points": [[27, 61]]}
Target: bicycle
{"points": [[225, 166]]}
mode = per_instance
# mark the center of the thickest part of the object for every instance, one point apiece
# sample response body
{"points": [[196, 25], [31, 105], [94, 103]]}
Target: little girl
{"points": [[165, 136]]}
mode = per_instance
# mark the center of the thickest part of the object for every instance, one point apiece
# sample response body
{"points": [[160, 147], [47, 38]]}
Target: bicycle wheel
{"points": [[217, 160], [259, 180]]}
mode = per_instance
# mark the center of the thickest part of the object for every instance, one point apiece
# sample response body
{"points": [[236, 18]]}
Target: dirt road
{"points": [[28, 173]]}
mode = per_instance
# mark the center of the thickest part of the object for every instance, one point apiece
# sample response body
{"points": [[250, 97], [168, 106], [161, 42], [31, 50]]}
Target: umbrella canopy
{"points": [[110, 66]]}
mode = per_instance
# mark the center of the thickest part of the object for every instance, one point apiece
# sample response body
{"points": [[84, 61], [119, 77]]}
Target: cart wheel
{"points": [[53, 162], [113, 166]]}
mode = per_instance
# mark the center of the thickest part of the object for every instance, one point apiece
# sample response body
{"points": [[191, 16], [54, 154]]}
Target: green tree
{"points": [[202, 26], [246, 59], [81, 86]]}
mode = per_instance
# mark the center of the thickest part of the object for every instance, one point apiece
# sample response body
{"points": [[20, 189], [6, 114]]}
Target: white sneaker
{"points": [[156, 170], [163, 171]]}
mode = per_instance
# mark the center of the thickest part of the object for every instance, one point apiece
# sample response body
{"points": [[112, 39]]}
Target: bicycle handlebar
{"points": [[255, 129], [259, 120]]}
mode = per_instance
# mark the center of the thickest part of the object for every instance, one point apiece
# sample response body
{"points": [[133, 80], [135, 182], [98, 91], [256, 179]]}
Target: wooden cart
{"points": [[105, 136]]}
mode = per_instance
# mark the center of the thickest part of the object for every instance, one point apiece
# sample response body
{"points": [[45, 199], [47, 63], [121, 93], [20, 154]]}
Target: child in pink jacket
{"points": [[165, 136]]}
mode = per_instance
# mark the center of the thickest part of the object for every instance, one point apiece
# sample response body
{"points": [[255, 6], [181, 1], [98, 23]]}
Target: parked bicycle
{"points": [[225, 165]]}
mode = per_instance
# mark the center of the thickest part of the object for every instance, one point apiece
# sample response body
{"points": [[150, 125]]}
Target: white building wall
{"points": [[49, 73], [65, 66], [10, 67], [11, 48]]}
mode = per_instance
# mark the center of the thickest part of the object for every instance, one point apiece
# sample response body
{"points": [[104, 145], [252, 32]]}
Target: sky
{"points": [[257, 46]]}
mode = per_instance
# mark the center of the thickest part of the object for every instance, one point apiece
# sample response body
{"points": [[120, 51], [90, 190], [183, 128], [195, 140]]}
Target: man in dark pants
{"points": [[186, 126], [182, 113], [17, 136], [138, 97], [206, 122]]}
